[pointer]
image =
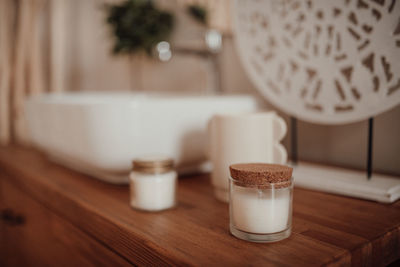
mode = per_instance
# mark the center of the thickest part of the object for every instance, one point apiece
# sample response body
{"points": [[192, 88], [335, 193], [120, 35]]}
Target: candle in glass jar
{"points": [[153, 184], [261, 211], [260, 201]]}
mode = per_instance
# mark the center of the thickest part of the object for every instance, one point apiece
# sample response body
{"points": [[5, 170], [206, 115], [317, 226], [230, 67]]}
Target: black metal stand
{"points": [[370, 144], [293, 144], [293, 140]]}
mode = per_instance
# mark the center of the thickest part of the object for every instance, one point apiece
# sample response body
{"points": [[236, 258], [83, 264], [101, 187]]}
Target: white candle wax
{"points": [[260, 211], [153, 191]]}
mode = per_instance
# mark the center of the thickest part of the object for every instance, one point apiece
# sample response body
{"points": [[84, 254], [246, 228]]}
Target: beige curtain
{"points": [[6, 41], [29, 47]]}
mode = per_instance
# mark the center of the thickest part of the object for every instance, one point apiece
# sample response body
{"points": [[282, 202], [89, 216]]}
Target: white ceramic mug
{"points": [[243, 138]]}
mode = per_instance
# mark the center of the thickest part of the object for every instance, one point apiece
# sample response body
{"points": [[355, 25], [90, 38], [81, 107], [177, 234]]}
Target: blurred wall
{"points": [[90, 66]]}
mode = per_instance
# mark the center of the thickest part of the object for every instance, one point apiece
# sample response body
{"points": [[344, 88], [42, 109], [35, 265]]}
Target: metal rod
{"points": [[370, 144], [293, 139]]}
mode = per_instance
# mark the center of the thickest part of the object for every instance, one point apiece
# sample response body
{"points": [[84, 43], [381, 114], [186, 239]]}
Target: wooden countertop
{"points": [[327, 229]]}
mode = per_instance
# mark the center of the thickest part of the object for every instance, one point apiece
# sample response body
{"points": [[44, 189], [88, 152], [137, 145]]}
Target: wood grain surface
{"points": [[327, 229], [42, 238]]}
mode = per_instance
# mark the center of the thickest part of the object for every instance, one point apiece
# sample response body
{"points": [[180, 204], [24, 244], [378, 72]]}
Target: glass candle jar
{"points": [[260, 203], [153, 184]]}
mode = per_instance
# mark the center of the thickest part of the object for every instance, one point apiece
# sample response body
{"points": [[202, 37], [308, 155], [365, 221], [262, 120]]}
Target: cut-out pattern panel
{"points": [[322, 61]]}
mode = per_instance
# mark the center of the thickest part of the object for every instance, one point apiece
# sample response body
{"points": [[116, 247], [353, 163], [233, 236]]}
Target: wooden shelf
{"points": [[327, 229]]}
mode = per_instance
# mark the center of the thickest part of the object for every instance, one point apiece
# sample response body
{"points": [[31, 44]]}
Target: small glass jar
{"points": [[153, 184], [260, 203]]}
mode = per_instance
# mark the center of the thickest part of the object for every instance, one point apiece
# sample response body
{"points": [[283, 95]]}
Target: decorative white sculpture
{"points": [[327, 62]]}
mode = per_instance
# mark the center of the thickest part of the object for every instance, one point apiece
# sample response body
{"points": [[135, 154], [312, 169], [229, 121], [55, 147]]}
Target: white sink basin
{"points": [[100, 134]]}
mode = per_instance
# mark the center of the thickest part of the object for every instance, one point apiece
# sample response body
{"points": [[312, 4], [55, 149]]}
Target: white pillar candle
{"points": [[260, 211], [153, 192]]}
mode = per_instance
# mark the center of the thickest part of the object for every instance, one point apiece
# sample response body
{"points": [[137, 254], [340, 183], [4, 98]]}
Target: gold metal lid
{"points": [[153, 164]]}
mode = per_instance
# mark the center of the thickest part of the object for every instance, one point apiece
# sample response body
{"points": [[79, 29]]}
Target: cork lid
{"points": [[261, 174]]}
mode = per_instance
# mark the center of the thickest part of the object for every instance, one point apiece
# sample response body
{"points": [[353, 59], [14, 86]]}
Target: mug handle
{"points": [[280, 154], [280, 128]]}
